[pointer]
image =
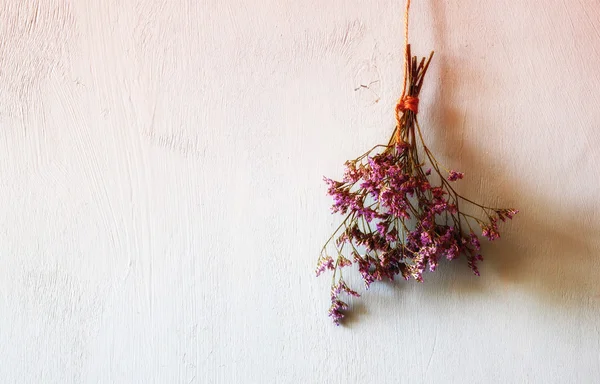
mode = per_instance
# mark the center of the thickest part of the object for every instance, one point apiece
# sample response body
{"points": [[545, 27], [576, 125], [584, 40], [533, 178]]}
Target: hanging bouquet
{"points": [[397, 221]]}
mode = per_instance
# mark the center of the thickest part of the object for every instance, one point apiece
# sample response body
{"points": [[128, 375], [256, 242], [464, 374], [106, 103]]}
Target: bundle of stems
{"points": [[397, 221]]}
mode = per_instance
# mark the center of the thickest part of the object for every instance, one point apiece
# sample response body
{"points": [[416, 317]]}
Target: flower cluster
{"points": [[396, 221]]}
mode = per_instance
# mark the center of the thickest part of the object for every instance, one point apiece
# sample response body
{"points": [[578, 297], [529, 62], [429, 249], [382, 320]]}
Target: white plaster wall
{"points": [[162, 206]]}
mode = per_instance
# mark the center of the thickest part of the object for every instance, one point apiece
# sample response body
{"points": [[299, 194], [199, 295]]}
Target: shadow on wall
{"points": [[552, 250]]}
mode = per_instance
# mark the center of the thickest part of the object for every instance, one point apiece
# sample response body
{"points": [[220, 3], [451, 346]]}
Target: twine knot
{"points": [[408, 103]]}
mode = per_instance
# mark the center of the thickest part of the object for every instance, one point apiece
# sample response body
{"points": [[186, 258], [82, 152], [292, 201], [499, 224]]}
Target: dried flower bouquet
{"points": [[397, 221]]}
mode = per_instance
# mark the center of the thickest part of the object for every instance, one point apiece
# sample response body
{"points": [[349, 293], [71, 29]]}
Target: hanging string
{"points": [[405, 48]]}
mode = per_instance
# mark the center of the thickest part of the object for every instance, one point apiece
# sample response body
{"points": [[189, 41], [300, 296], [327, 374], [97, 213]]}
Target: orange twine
{"points": [[409, 103]]}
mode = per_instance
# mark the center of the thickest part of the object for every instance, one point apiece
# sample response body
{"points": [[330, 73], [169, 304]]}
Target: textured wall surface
{"points": [[162, 208]]}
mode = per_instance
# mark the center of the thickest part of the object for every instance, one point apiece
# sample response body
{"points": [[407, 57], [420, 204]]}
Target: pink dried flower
{"points": [[323, 264], [336, 311], [343, 262], [351, 173], [341, 287], [490, 232], [474, 241], [453, 175]]}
